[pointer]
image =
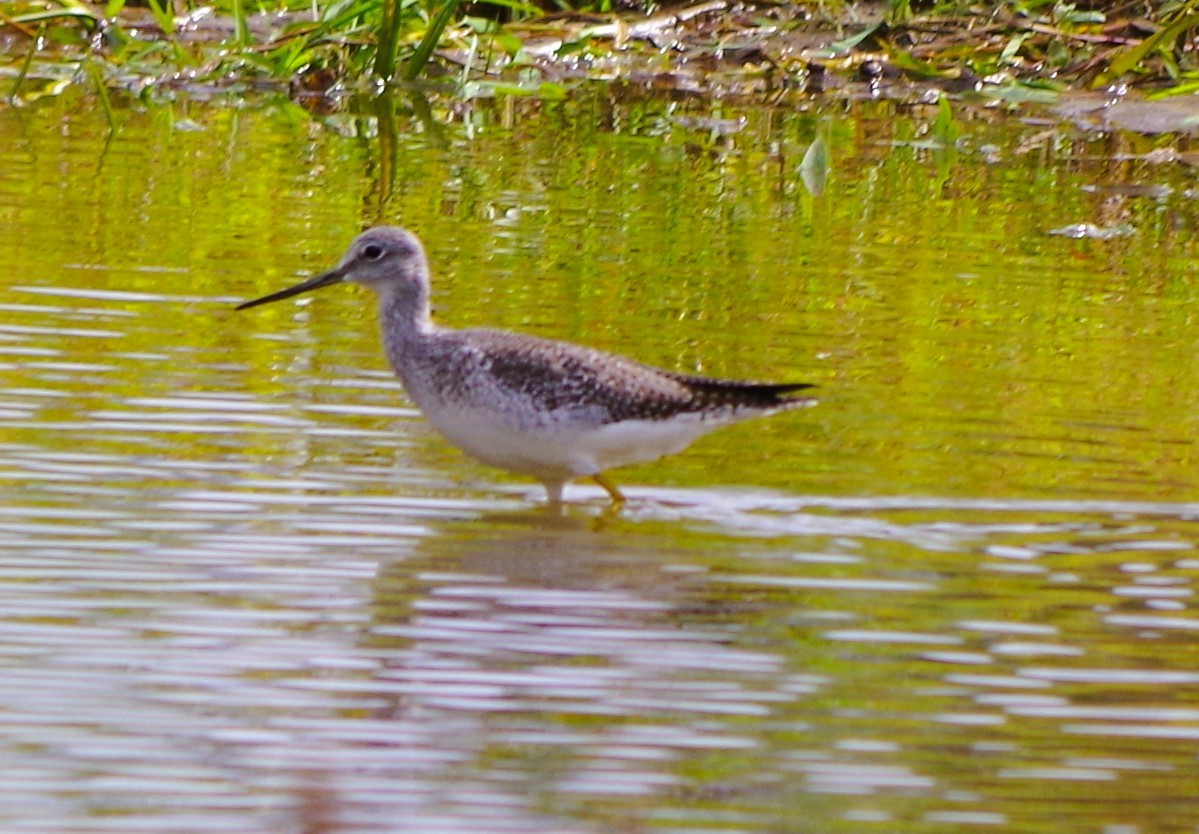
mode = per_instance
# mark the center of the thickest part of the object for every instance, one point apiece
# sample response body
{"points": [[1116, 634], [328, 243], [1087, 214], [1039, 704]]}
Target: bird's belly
{"points": [[637, 441], [539, 450], [562, 449]]}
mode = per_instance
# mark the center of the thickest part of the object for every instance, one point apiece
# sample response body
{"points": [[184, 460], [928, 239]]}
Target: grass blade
{"points": [[1132, 57], [24, 71], [388, 39], [241, 28], [424, 50], [97, 76]]}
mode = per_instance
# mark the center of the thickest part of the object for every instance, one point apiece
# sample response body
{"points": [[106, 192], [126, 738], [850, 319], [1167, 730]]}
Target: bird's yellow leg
{"points": [[610, 488]]}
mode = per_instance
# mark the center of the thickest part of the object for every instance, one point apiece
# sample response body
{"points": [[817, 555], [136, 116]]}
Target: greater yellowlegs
{"points": [[554, 410]]}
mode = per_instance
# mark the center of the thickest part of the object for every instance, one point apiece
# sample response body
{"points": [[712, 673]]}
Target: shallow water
{"points": [[244, 588]]}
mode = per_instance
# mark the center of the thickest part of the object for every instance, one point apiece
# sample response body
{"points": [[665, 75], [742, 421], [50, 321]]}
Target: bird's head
{"points": [[387, 259]]}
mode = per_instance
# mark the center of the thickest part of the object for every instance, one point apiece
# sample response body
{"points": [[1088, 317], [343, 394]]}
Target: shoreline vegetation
{"points": [[321, 51]]}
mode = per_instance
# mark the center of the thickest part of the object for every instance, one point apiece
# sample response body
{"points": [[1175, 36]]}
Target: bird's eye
{"points": [[372, 252]]}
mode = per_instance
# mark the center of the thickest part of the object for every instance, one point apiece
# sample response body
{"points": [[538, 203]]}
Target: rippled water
{"points": [[243, 588]]}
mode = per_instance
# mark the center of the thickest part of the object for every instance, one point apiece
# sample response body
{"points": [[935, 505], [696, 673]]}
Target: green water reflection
{"points": [[961, 349], [243, 588]]}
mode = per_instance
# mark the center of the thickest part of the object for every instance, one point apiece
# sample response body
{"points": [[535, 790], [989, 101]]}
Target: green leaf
{"points": [[1012, 47], [847, 45], [1131, 57], [163, 16], [1022, 93], [546, 90], [574, 46], [509, 43], [945, 127], [914, 66], [54, 14], [1184, 89], [424, 49]]}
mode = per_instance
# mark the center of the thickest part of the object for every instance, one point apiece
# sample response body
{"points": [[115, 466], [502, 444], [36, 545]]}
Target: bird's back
{"points": [[531, 375]]}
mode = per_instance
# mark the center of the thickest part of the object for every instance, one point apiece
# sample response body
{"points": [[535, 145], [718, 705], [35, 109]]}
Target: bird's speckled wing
{"points": [[556, 376]]}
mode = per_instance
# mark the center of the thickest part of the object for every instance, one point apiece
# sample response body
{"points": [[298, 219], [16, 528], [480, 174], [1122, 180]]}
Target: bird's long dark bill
{"points": [[333, 276]]}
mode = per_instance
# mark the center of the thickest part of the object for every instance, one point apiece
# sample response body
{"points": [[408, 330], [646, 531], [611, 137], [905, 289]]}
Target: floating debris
{"points": [[1093, 232], [813, 170]]}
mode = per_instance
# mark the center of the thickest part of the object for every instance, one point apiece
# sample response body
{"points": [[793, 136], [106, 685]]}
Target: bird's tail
{"points": [[736, 394]]}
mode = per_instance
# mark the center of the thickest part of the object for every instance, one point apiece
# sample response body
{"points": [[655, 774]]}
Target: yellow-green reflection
{"points": [[240, 585], [960, 348]]}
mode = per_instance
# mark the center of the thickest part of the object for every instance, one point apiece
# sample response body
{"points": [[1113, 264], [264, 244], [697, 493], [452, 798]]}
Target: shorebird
{"points": [[550, 409]]}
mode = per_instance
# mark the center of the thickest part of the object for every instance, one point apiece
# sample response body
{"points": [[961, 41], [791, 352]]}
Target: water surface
{"points": [[244, 588]]}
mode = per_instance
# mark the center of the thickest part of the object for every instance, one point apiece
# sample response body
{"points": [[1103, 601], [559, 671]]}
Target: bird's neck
{"points": [[404, 318]]}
